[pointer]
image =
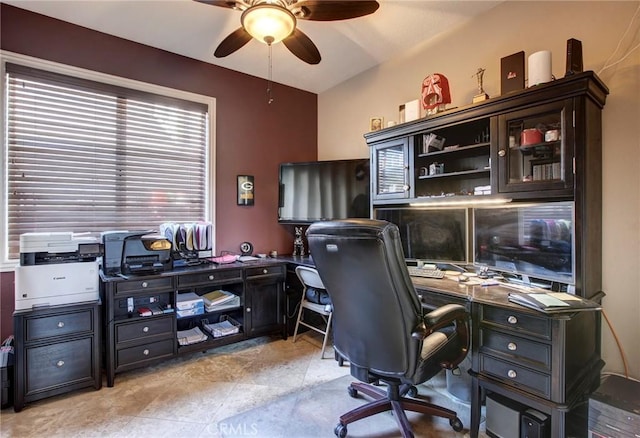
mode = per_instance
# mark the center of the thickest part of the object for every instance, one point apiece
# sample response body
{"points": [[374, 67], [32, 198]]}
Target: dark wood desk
{"points": [[550, 363]]}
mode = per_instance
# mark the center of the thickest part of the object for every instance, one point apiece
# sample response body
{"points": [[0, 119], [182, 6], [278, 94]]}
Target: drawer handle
{"points": [[211, 277], [248, 309], [145, 284], [60, 363], [512, 346], [145, 329], [265, 271], [145, 352], [60, 324], [512, 374], [512, 320]]}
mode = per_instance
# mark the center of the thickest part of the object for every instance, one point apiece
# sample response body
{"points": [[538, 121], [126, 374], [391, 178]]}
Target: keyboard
{"points": [[414, 271]]}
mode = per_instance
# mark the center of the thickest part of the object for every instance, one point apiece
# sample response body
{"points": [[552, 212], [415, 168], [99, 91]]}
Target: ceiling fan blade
{"points": [[318, 10], [222, 3], [301, 45], [233, 42]]}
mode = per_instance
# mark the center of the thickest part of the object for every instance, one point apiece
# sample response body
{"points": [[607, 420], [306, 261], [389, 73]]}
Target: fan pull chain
{"points": [[269, 83]]}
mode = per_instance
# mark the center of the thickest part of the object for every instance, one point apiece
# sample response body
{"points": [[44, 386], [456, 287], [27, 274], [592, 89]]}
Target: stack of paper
{"points": [[191, 336], [553, 302], [220, 299]]}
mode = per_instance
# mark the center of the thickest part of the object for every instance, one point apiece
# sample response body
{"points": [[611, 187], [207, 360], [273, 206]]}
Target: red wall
{"points": [[252, 137]]}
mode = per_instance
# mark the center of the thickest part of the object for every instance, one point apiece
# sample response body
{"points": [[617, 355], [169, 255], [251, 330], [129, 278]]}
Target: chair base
{"points": [[391, 400]]}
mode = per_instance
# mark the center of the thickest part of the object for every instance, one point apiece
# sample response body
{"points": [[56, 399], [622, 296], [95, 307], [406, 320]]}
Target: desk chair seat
{"points": [[379, 325], [310, 279]]}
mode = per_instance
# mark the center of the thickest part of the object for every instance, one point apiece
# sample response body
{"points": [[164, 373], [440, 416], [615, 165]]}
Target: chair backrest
{"points": [[309, 277], [375, 306]]}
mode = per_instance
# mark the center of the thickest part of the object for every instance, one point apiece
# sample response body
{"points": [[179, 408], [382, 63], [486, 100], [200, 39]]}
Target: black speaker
{"points": [[534, 424], [574, 56]]}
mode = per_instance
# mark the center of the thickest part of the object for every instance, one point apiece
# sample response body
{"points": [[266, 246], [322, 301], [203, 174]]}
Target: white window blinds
{"points": [[85, 156]]}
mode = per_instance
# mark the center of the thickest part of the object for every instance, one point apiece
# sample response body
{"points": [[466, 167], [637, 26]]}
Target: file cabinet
{"points": [[57, 351]]}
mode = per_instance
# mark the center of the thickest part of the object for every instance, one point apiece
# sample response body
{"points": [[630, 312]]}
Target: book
{"points": [[553, 302], [217, 297]]}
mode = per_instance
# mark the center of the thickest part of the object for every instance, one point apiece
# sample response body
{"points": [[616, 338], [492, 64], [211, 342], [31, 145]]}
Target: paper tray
{"points": [[225, 327]]}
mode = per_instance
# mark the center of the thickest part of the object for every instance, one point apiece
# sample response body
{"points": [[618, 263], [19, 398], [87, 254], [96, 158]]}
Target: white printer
{"points": [[56, 268]]}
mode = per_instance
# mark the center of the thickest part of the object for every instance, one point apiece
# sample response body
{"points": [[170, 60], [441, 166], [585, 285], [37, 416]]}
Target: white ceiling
{"points": [[193, 29]]}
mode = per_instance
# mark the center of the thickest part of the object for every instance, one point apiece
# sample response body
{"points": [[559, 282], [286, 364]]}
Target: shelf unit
{"points": [[482, 147]]}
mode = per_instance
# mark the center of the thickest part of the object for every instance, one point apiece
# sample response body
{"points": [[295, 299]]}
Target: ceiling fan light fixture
{"points": [[268, 23]]}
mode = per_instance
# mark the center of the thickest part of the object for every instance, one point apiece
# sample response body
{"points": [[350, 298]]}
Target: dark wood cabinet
{"points": [[546, 362], [392, 162], [264, 300], [133, 341], [542, 144], [57, 351], [484, 150], [536, 151]]}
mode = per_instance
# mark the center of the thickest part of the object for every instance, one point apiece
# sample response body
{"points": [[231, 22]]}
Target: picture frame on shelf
{"points": [[376, 123]]}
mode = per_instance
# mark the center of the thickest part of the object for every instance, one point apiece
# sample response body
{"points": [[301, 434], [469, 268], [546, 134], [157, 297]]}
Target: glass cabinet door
{"points": [[535, 151], [391, 165]]}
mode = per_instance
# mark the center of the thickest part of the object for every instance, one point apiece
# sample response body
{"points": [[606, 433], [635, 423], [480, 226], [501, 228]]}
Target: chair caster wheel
{"points": [[352, 391], [412, 392], [456, 424], [340, 430]]}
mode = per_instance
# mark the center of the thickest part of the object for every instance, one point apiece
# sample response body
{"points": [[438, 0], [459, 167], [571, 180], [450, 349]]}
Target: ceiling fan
{"points": [[272, 21]]}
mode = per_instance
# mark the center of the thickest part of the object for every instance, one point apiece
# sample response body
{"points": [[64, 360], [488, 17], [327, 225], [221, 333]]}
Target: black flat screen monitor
{"points": [[324, 190], [434, 235], [536, 240]]}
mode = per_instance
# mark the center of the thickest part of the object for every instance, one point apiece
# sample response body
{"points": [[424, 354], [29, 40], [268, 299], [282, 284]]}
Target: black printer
{"points": [[135, 252]]}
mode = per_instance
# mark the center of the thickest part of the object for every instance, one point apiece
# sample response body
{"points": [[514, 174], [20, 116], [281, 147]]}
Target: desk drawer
{"points": [[520, 322], [265, 270], [210, 277], [537, 353], [516, 375], [147, 328], [59, 325], [146, 352], [58, 364], [148, 285]]}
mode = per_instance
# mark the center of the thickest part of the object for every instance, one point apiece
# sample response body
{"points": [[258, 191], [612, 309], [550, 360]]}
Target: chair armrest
{"points": [[448, 315], [440, 317]]}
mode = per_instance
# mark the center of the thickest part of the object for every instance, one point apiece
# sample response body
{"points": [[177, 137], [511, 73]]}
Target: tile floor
{"points": [[182, 397]]}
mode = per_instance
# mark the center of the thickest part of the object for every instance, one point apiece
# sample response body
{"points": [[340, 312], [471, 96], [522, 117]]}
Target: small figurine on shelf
{"points": [[298, 243], [481, 94]]}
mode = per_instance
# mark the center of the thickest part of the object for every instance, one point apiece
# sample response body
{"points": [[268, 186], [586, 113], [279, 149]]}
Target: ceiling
{"points": [[193, 29]]}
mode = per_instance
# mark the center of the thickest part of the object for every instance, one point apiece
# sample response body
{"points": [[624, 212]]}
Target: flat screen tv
{"points": [[323, 190], [534, 240]]}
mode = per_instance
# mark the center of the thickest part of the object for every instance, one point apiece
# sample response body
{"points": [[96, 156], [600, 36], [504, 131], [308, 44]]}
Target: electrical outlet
{"points": [[130, 304], [153, 299]]}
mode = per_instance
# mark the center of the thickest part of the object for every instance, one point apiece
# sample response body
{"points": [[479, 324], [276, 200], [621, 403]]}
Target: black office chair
{"points": [[378, 322]]}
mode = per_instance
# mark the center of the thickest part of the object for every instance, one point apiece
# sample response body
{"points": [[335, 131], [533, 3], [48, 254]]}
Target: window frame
{"points": [[7, 265]]}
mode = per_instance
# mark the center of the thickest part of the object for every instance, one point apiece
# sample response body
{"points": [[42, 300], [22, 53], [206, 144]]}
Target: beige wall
{"points": [[344, 112]]}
